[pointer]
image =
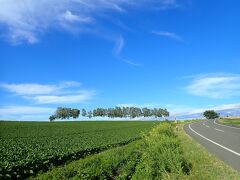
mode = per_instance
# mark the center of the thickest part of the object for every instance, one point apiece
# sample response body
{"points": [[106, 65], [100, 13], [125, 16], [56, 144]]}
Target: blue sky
{"points": [[183, 55]]}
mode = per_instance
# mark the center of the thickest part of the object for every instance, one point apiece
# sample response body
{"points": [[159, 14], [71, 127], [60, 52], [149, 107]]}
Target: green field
{"points": [[232, 122], [27, 147], [158, 155], [105, 150]]}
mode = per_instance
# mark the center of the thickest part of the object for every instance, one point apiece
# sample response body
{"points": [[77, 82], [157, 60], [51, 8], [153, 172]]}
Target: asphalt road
{"points": [[222, 141]]}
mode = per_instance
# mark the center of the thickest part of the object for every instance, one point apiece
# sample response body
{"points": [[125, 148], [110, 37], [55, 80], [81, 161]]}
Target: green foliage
{"points": [[89, 114], [104, 165], [52, 118], [230, 122], [99, 112], [135, 112], [27, 147], [162, 156], [65, 113], [146, 112], [211, 114], [132, 112], [156, 156], [75, 113], [84, 112]]}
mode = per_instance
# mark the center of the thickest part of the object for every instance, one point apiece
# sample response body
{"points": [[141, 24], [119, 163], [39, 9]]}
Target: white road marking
{"points": [[230, 150], [218, 130], [224, 125], [207, 126]]}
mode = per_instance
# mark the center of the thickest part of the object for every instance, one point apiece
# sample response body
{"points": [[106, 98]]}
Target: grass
{"points": [[158, 155], [162, 155], [104, 165], [231, 122], [164, 152]]}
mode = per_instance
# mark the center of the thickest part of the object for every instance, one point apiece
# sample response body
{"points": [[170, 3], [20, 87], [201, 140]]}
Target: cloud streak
{"points": [[119, 45], [26, 110], [26, 20], [33, 88], [167, 34], [25, 113], [77, 97], [215, 86], [62, 93]]}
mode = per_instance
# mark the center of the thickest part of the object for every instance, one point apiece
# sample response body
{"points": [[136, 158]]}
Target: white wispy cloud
{"points": [[119, 45], [62, 93], [25, 113], [30, 89], [70, 17], [26, 20], [227, 106], [169, 35], [215, 85], [148, 105], [77, 97], [26, 110], [34, 88]]}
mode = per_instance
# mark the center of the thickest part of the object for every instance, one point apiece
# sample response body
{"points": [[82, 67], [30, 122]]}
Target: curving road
{"points": [[221, 140]]}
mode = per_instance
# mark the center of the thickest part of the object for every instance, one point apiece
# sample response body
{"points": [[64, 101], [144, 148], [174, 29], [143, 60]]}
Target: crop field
{"points": [[232, 122], [158, 155], [28, 147], [105, 150]]}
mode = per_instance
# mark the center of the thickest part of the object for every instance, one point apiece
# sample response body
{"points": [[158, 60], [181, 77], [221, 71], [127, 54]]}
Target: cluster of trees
{"points": [[121, 112], [65, 113], [211, 114]]}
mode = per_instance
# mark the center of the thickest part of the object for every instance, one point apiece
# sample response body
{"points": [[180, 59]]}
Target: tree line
{"points": [[120, 112]]}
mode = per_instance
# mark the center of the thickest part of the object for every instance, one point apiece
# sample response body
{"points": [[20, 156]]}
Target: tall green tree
{"points": [[52, 118], [89, 114], [146, 112], [125, 111], [135, 112], [110, 113], [84, 112], [118, 112], [210, 114], [75, 113]]}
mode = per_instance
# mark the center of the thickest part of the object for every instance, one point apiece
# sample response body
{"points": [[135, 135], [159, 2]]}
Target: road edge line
{"points": [[230, 150]]}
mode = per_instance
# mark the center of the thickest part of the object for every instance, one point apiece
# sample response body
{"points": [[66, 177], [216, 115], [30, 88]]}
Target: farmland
{"points": [[105, 150], [27, 147], [154, 157], [230, 121]]}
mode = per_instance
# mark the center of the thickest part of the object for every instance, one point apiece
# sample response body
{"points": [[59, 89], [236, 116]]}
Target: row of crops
{"points": [[28, 147], [158, 155]]}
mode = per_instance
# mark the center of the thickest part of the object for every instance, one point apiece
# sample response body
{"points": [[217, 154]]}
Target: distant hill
{"points": [[225, 112]]}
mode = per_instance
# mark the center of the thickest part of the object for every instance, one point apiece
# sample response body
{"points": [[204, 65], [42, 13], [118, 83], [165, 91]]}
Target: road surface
{"points": [[222, 141]]}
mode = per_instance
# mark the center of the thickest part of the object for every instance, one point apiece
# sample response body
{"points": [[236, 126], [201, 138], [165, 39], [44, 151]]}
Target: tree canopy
{"points": [[65, 113], [210, 114], [120, 112]]}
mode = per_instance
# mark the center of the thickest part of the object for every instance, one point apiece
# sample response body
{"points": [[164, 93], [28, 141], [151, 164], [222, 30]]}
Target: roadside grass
{"points": [[105, 165], [162, 157], [166, 152], [204, 164], [158, 155], [232, 122]]}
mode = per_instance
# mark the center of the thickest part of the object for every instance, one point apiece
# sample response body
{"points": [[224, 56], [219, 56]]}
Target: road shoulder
{"points": [[204, 164]]}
